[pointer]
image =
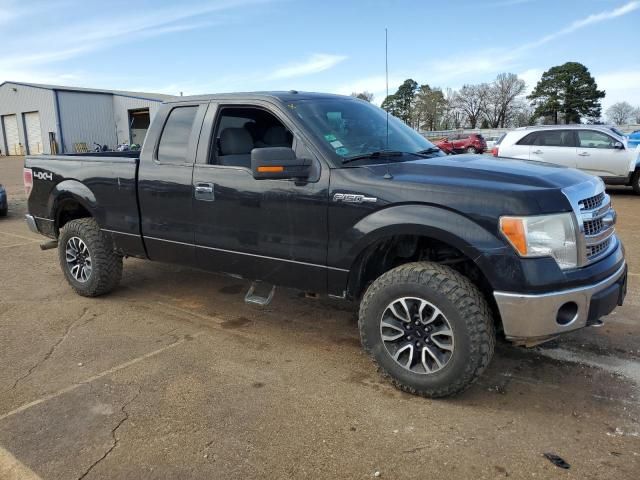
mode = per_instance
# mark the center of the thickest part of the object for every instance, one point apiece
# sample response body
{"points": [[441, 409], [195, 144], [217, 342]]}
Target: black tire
{"points": [[106, 265], [635, 182], [3, 212], [471, 150], [465, 310]]}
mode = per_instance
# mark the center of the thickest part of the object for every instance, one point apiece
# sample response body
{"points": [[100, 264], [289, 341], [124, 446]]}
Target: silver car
{"points": [[600, 150]]}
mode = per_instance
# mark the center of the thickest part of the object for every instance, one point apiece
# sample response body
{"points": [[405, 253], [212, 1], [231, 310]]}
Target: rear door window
{"points": [[554, 138], [527, 140], [174, 142]]}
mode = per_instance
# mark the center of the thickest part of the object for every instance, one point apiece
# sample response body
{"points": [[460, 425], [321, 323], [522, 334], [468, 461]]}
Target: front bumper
{"points": [[530, 318]]}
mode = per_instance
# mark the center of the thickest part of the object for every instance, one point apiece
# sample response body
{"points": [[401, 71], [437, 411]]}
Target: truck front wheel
{"points": [[428, 328], [87, 258]]}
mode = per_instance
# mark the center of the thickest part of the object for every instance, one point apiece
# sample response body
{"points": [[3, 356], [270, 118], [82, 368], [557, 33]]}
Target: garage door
{"points": [[11, 133], [34, 134]]}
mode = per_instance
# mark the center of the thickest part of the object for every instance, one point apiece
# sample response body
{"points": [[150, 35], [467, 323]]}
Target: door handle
{"points": [[204, 188], [538, 152], [584, 154], [204, 191]]}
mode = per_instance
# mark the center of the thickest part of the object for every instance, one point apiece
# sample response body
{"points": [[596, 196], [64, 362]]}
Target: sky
{"points": [[212, 46]]}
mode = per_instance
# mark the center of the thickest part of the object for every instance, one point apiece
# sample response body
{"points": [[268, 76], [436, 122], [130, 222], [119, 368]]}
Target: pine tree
{"points": [[569, 91]]}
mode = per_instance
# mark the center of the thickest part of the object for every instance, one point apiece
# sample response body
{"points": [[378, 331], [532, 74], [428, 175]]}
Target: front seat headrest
{"points": [[235, 141]]}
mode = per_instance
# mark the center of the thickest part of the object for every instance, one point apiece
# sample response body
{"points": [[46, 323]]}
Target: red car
{"points": [[460, 142], [445, 145]]}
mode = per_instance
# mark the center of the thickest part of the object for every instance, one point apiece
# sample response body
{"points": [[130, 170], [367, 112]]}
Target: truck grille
{"points": [[594, 251], [592, 203], [593, 227], [598, 219]]}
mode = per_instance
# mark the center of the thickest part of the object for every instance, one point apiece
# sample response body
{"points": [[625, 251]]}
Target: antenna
{"points": [[386, 73]]}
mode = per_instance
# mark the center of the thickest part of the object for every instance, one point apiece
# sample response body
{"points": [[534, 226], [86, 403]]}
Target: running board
{"points": [[255, 294]]}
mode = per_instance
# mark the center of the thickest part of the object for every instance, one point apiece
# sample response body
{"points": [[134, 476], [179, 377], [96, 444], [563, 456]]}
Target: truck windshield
{"points": [[354, 131]]}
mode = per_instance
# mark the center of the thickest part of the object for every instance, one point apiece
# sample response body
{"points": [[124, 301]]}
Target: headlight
{"points": [[543, 236]]}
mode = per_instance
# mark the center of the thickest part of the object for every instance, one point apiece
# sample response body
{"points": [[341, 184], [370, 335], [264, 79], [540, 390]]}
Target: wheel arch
{"points": [[403, 234], [70, 200]]}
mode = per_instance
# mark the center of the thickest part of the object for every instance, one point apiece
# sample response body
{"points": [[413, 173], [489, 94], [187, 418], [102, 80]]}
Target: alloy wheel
{"points": [[78, 259], [417, 335]]}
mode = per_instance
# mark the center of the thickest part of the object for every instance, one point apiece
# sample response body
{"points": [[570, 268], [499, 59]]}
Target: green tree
{"points": [[392, 105], [400, 104], [569, 91], [429, 108]]}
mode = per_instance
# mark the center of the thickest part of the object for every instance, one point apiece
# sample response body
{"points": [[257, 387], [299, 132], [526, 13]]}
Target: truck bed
{"points": [[104, 182]]}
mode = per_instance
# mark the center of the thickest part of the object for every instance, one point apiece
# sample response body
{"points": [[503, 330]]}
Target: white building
{"points": [[38, 118]]}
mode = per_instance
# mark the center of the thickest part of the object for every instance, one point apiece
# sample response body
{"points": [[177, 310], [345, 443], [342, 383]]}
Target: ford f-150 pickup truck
{"points": [[329, 194]]}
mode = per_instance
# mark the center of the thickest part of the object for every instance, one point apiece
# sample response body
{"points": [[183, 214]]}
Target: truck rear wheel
{"points": [[87, 258], [428, 328]]}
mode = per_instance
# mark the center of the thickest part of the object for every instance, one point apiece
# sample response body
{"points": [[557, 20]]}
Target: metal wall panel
{"points": [[17, 99], [121, 107], [86, 118], [34, 133], [10, 123]]}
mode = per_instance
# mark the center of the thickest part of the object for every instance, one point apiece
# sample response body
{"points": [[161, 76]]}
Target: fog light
{"points": [[567, 313]]}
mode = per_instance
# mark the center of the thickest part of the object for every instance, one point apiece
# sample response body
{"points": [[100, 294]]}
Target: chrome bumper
{"points": [[31, 223], [529, 317]]}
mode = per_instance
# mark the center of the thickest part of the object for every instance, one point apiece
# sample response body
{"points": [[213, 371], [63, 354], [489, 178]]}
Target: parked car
{"points": [[4, 202], [304, 190], [634, 139], [445, 145], [599, 150], [491, 141], [468, 142]]}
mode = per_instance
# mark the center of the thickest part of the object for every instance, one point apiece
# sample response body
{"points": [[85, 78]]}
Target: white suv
{"points": [[599, 150]]}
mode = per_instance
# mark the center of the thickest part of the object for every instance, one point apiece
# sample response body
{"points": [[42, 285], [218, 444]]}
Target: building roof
{"points": [[158, 97]]}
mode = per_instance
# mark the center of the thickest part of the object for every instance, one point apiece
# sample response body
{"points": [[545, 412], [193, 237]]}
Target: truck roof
{"points": [[281, 96]]}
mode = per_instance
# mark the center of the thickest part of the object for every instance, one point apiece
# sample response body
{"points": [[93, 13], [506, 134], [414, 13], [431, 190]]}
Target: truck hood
{"points": [[474, 185], [481, 171]]}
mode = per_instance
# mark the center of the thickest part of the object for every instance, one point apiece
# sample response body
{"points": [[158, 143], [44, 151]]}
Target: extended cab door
{"points": [[598, 156], [164, 183], [270, 230], [554, 146]]}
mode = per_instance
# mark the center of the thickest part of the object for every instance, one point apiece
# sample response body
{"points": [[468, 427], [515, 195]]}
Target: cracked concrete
{"points": [[114, 435], [51, 350]]}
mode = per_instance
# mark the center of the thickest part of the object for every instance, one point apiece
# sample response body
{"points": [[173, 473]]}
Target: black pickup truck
{"points": [[329, 194]]}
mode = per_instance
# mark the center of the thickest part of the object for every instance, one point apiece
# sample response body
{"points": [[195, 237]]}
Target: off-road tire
{"points": [[106, 264], [635, 182], [465, 309]]}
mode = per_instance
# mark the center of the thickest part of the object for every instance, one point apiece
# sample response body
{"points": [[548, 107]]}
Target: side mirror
{"points": [[278, 163], [618, 145]]}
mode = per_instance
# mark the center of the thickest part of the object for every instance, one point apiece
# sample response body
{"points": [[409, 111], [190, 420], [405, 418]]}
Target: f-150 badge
{"points": [[353, 198]]}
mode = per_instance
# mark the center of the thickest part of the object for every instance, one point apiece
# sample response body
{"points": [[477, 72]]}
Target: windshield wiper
{"points": [[382, 154], [429, 150]]}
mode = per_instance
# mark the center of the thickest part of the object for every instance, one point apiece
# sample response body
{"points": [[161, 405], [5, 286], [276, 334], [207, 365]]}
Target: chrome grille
{"points": [[594, 251], [593, 227], [592, 203], [598, 219], [595, 219]]}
